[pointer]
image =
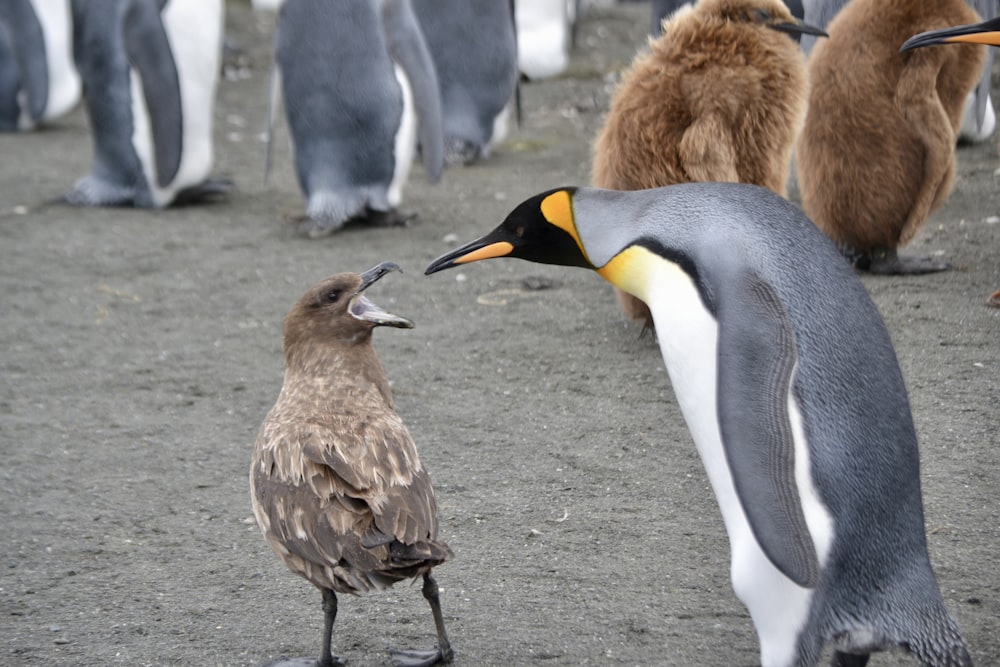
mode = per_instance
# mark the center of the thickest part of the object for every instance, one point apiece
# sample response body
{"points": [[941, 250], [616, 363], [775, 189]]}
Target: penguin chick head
{"points": [[987, 32], [541, 229], [335, 310], [773, 14]]}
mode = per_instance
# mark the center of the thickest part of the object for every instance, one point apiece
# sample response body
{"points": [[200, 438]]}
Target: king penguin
{"points": [[719, 96], [474, 50], [790, 388], [352, 74], [877, 154], [38, 81], [336, 483], [149, 71], [546, 33]]}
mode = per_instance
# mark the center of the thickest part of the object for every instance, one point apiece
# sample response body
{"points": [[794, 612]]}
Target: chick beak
{"points": [[798, 27], [363, 309]]}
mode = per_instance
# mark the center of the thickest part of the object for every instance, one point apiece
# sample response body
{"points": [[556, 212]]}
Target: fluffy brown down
{"points": [[877, 154], [336, 484], [720, 96]]}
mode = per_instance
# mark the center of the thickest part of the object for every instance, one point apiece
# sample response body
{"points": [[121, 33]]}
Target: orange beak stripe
{"points": [[989, 38], [498, 249]]}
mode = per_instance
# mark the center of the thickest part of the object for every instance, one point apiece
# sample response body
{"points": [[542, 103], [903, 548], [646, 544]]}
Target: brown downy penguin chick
{"points": [[719, 96], [987, 32], [877, 154], [336, 483]]}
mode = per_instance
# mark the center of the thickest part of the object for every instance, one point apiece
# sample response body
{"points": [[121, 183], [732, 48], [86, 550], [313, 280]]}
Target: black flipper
{"points": [[756, 360], [408, 48], [27, 41], [148, 49]]}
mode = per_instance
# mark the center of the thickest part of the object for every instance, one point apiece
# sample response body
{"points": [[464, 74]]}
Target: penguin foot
{"points": [[419, 658], [210, 189], [391, 218], [313, 228], [888, 263], [994, 299], [841, 659], [90, 191], [335, 661]]}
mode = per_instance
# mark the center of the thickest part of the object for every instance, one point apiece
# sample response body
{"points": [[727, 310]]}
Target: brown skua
{"points": [[336, 484]]}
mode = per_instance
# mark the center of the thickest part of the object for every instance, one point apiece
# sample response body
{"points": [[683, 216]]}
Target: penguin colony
{"points": [[769, 339], [337, 487], [877, 154], [720, 96]]}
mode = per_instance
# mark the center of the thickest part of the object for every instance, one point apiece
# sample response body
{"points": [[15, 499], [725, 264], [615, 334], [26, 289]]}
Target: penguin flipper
{"points": [[757, 359], [273, 104], [31, 57], [408, 48], [148, 50]]}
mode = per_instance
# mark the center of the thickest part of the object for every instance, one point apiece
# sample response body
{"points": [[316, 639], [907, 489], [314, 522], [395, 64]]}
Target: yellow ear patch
{"points": [[558, 210]]}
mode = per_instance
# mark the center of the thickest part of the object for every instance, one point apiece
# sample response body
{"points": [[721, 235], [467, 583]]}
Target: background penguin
{"points": [[979, 117], [720, 96], [664, 8], [350, 109], [473, 46], [336, 483], [987, 32], [149, 70], [789, 385], [877, 153], [38, 81], [545, 35]]}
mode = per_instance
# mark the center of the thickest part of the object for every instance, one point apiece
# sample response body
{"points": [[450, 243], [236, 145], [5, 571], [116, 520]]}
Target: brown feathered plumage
{"points": [[877, 154], [337, 486], [719, 96]]}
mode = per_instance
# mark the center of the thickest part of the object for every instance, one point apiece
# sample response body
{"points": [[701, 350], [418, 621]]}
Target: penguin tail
{"points": [[940, 645]]}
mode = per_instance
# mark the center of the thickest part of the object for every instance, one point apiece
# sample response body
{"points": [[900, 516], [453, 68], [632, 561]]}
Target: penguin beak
{"points": [[363, 309], [798, 28], [487, 247], [987, 32]]}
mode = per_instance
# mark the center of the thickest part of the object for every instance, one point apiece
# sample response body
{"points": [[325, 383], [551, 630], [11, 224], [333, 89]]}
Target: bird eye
{"points": [[332, 296], [763, 16]]}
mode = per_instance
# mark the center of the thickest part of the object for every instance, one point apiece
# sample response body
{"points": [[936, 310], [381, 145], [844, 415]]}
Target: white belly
{"points": [[688, 337], [194, 28], [406, 141]]}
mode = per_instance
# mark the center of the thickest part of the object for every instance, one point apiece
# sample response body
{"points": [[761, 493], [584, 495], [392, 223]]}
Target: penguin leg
{"points": [[886, 261], [841, 659], [443, 653]]}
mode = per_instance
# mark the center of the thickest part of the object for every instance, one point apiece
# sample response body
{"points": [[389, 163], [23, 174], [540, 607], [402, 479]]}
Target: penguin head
{"points": [[987, 32], [335, 310], [773, 14], [541, 229]]}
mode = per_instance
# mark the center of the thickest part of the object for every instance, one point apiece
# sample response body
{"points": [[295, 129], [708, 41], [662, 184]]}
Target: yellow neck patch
{"points": [[635, 268]]}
